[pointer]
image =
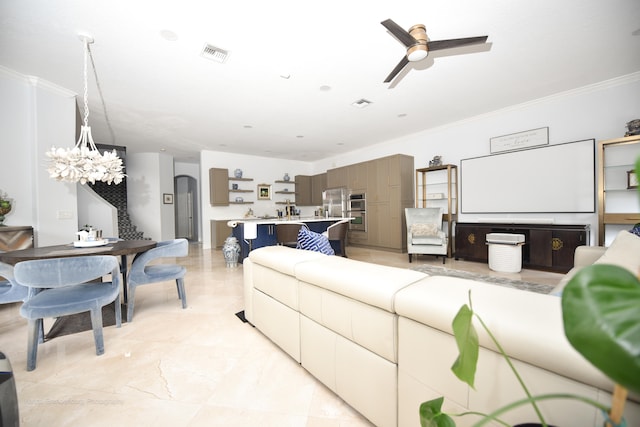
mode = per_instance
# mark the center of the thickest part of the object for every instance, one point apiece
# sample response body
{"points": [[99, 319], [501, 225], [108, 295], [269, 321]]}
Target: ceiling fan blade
{"points": [[403, 62], [446, 44], [400, 33]]}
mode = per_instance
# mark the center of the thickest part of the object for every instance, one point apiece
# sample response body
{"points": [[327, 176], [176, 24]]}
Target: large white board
{"points": [[558, 178]]}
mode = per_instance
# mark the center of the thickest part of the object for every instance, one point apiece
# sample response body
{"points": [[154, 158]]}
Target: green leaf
{"points": [[601, 315], [431, 414], [465, 365]]}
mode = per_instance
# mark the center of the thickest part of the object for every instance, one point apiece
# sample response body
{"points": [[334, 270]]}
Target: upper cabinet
{"points": [[309, 189], [618, 204], [222, 188]]}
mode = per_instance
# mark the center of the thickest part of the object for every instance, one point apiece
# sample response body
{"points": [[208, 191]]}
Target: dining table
{"points": [[122, 248]]}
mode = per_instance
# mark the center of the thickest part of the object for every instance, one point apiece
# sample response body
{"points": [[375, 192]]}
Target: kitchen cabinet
{"points": [[309, 189], [219, 191], [303, 190], [337, 177], [618, 207], [357, 176], [219, 187], [318, 185], [547, 247], [219, 232]]}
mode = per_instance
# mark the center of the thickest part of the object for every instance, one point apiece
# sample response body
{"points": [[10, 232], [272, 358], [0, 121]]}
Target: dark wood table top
{"points": [[123, 247]]}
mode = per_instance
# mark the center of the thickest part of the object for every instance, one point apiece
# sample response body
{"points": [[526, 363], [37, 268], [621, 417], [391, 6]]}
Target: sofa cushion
{"points": [[371, 284], [282, 258], [623, 252]]}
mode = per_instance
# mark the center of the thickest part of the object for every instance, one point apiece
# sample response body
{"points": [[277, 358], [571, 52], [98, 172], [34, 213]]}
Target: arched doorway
{"points": [[186, 205]]}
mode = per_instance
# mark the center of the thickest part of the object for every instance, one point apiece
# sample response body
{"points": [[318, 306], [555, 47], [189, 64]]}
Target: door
{"points": [[186, 205]]}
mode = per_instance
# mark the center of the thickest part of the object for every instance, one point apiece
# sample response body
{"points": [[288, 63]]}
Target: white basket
{"points": [[505, 252]]}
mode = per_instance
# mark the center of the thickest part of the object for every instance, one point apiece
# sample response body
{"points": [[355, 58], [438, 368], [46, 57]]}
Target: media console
{"points": [[547, 247]]}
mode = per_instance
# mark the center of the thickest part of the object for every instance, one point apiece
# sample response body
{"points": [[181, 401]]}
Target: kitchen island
{"points": [[266, 230]]}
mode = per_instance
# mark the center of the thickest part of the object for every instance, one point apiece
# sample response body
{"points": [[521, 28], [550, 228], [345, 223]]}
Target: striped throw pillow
{"points": [[311, 241]]}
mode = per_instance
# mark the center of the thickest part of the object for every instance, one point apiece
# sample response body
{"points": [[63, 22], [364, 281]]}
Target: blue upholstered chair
{"points": [[10, 291], [67, 286], [142, 273]]}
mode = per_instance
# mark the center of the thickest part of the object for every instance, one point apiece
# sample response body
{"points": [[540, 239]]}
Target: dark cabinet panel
{"points": [[547, 247]]}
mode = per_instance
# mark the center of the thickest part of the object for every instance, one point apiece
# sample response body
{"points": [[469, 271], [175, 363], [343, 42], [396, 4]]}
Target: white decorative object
{"points": [[237, 173], [520, 140], [84, 163], [231, 251], [286, 177]]}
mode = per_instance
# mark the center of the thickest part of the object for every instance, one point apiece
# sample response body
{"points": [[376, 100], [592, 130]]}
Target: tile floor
{"points": [[196, 367]]}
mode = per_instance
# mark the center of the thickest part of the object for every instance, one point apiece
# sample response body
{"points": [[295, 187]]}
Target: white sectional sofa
{"points": [[380, 338]]}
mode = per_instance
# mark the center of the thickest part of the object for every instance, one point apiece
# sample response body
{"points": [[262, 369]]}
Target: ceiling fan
{"points": [[418, 46]]}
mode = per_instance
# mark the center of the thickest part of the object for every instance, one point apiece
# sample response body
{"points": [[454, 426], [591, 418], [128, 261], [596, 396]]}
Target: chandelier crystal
{"points": [[84, 162]]}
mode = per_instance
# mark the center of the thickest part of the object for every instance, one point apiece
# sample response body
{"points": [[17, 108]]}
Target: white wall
{"points": [[35, 115], [263, 170], [149, 177], [599, 111]]}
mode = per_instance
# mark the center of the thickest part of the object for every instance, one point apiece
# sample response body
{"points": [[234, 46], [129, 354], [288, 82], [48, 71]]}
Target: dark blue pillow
{"points": [[636, 230], [312, 241]]}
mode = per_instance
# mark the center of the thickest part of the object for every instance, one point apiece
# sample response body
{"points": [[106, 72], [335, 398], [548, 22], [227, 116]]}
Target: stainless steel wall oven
{"points": [[357, 211]]}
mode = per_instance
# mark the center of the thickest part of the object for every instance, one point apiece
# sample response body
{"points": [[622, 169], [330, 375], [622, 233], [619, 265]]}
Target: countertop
{"points": [[284, 220]]}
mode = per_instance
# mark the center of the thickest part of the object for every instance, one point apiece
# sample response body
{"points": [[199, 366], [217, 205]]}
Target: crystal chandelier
{"points": [[84, 163]]}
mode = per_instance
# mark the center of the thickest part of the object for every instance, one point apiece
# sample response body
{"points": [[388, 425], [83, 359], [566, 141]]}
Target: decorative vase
{"points": [[5, 208], [231, 251], [286, 177], [238, 173]]}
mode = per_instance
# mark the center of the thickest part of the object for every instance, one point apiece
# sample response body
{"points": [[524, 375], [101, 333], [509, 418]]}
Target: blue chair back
{"points": [[61, 272], [10, 290], [165, 249]]}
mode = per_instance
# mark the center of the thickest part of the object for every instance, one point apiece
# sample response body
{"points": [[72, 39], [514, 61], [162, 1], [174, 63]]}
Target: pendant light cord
{"points": [[104, 106]]}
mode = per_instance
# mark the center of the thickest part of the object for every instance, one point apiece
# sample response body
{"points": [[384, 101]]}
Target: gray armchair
{"points": [[66, 286], [424, 232], [142, 273]]}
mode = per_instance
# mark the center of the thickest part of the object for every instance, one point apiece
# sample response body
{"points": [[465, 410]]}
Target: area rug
{"points": [[81, 322], [432, 270]]}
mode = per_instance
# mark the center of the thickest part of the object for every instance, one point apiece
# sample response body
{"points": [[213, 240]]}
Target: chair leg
{"points": [[132, 292], [96, 324], [181, 293], [409, 257], [118, 308], [34, 326], [444, 259]]}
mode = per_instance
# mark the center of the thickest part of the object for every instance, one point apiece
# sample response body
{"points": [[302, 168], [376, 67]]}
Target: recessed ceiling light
{"points": [[361, 103], [299, 136], [168, 35], [402, 115], [325, 88], [285, 76], [247, 127]]}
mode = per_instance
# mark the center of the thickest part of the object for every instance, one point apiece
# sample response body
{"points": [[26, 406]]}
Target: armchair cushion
{"points": [[424, 230]]}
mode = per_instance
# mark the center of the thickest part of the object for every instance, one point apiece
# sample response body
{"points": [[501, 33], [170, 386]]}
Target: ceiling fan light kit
{"points": [[418, 45]]}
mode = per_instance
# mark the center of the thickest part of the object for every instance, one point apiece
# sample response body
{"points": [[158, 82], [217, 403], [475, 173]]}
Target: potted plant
{"points": [[599, 309], [5, 206]]}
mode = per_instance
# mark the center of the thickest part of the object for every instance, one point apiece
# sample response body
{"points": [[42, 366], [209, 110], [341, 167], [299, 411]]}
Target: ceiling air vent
{"points": [[361, 103], [214, 53]]}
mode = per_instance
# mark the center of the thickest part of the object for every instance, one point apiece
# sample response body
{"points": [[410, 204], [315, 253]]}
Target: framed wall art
{"points": [[167, 199], [264, 192]]}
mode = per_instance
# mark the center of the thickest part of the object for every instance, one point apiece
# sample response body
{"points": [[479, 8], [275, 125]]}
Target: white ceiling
{"points": [[162, 94]]}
